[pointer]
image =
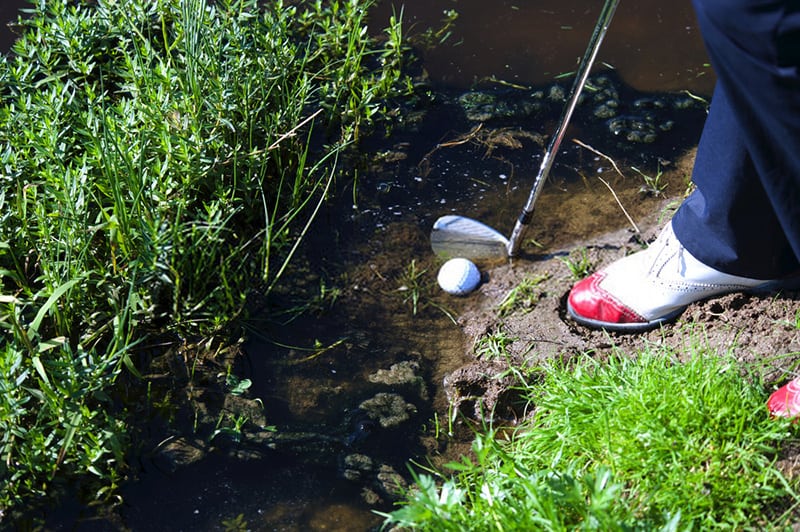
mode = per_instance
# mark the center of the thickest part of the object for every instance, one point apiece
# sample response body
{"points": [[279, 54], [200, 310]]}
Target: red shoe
{"points": [[785, 401], [644, 290]]}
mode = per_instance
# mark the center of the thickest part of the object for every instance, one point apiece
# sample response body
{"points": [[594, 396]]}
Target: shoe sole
{"points": [[624, 327], [766, 288]]}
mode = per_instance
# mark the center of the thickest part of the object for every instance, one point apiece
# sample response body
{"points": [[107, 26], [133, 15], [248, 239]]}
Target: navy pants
{"points": [[744, 216]]}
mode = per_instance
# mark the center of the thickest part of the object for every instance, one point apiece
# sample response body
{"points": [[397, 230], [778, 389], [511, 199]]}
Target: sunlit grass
{"points": [[523, 297], [578, 263], [493, 345], [412, 285], [654, 185], [621, 443]]}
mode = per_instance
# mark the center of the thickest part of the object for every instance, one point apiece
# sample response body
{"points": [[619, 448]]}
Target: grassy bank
{"points": [[158, 159], [638, 442]]}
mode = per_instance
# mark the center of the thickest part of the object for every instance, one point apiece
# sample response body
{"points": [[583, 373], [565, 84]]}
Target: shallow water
{"points": [[652, 47], [655, 46]]}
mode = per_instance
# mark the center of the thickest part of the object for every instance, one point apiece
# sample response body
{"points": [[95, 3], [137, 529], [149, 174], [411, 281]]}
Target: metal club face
{"points": [[458, 236]]}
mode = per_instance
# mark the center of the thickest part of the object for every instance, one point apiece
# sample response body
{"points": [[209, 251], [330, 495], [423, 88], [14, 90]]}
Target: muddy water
{"points": [[366, 250]]}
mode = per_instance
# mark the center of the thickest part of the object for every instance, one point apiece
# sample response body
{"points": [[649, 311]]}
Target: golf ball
{"points": [[459, 276]]}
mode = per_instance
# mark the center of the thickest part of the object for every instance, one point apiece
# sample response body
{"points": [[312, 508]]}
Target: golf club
{"points": [[459, 236]]}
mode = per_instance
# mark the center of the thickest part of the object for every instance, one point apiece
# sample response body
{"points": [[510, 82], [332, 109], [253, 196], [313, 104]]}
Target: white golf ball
{"points": [[459, 276]]}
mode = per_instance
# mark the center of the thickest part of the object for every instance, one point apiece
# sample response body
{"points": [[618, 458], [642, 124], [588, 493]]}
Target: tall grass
{"points": [[628, 443], [158, 160]]}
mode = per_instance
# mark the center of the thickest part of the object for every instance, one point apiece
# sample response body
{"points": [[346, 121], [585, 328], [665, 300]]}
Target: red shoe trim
{"points": [[785, 401], [590, 301]]}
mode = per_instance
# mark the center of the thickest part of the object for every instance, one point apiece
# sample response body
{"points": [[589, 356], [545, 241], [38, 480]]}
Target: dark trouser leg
{"points": [[744, 218]]}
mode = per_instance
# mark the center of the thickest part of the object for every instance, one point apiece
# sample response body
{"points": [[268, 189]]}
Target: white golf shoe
{"points": [[651, 287]]}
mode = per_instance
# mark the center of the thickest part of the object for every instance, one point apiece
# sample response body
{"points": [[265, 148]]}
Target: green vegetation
{"points": [[416, 288], [493, 345], [522, 297], [578, 263], [412, 285], [158, 160], [654, 185], [794, 323], [626, 443]]}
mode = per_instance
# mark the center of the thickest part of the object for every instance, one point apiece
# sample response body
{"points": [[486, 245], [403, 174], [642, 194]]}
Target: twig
{"points": [[424, 164], [635, 228], [603, 155], [291, 132], [463, 139], [613, 193]]}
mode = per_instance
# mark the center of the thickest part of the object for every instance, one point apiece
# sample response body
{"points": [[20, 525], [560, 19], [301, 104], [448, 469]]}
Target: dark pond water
{"points": [[653, 48]]}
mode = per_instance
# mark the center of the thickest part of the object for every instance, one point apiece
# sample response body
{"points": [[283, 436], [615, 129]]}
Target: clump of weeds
{"points": [[654, 185], [415, 288], [578, 263], [413, 283], [493, 345], [522, 297]]}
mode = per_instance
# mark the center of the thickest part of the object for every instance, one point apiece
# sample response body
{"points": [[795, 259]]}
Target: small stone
{"points": [[557, 93], [390, 481], [388, 409], [401, 373]]}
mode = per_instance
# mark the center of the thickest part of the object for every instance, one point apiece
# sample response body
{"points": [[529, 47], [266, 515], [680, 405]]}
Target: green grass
{"points": [[654, 185], [159, 159], [523, 297], [494, 491], [641, 442], [493, 345], [578, 263], [413, 285]]}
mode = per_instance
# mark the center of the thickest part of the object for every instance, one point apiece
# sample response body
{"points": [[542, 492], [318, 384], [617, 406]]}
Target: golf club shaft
{"points": [[547, 160]]}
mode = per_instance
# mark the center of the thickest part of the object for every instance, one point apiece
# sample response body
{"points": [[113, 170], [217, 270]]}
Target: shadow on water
{"points": [[354, 388]]}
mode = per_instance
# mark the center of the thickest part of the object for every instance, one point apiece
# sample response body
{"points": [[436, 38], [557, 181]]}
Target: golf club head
{"points": [[457, 236]]}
